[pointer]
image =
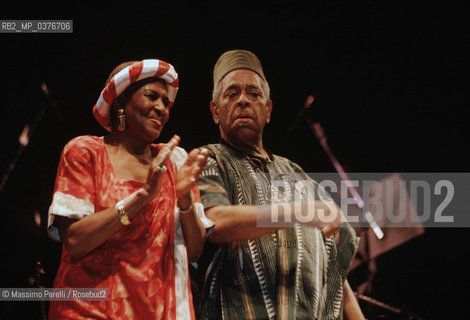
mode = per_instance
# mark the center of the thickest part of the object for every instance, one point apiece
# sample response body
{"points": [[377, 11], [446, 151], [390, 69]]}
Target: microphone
{"points": [[301, 113], [52, 101]]}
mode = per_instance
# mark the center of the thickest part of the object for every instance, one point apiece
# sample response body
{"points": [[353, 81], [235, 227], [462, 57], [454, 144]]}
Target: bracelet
{"points": [[191, 206], [186, 210], [122, 214]]}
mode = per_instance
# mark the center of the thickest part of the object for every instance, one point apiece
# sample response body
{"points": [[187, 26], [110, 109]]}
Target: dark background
{"points": [[389, 81]]}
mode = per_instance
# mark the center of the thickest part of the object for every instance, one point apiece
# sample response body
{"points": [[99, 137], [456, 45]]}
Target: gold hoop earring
{"points": [[121, 120]]}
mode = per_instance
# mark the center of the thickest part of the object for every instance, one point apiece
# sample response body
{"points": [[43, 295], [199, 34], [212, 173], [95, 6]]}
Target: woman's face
{"points": [[147, 111]]}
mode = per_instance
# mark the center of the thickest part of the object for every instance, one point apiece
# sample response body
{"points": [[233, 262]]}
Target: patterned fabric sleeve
{"points": [[212, 185], [74, 191], [346, 240]]}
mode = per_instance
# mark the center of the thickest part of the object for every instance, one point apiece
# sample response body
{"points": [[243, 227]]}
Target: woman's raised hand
{"points": [[157, 169], [188, 175]]}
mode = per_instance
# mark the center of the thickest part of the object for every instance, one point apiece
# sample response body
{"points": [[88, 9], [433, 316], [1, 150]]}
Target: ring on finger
{"points": [[162, 168]]}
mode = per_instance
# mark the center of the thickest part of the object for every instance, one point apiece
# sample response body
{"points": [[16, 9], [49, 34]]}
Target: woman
{"points": [[128, 211]]}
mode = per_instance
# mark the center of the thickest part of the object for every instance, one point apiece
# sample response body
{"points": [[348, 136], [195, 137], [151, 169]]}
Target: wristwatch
{"points": [[122, 214]]}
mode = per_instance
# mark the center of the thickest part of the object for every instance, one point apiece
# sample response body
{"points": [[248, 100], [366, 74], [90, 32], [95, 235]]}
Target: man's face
{"points": [[242, 108]]}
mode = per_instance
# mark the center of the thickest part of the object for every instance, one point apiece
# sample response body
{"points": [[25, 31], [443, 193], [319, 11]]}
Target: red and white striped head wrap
{"points": [[151, 68]]}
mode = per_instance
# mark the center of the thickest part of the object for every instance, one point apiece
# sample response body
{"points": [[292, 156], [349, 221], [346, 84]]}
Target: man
{"points": [[260, 269]]}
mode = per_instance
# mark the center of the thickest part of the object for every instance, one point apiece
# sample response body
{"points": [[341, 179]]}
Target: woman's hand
{"points": [[156, 170], [188, 175], [186, 178]]}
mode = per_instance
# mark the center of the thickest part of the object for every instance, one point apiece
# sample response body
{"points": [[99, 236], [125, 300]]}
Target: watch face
{"points": [[122, 213], [125, 220]]}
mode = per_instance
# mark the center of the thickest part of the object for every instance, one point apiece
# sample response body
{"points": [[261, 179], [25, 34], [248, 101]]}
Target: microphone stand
{"points": [[27, 132], [37, 279], [320, 134], [405, 314]]}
